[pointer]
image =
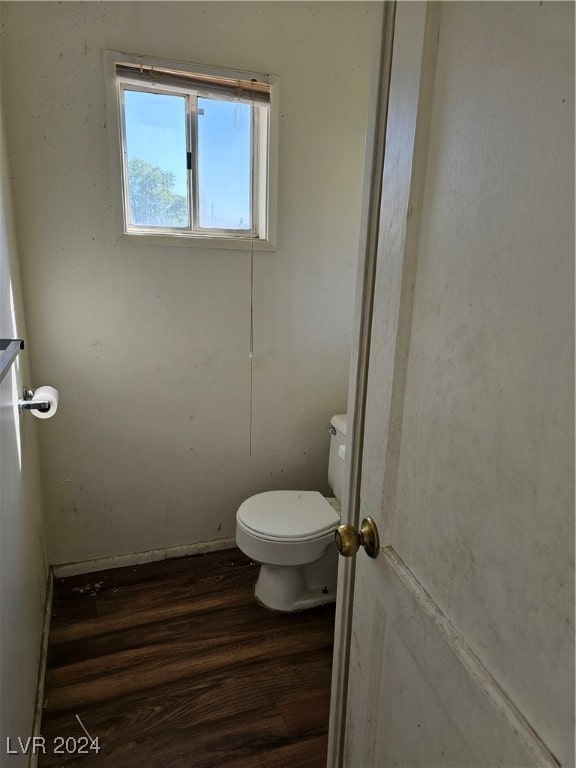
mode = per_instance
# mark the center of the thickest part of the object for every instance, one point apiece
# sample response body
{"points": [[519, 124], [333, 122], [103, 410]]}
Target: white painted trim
{"points": [[37, 722], [139, 558], [197, 241], [268, 243], [366, 274], [439, 639]]}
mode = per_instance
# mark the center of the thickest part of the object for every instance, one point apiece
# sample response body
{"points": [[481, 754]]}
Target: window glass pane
{"points": [[224, 139], [156, 159]]}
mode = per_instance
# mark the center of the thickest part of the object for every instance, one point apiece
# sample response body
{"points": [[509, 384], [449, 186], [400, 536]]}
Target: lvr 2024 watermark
{"points": [[59, 745]]}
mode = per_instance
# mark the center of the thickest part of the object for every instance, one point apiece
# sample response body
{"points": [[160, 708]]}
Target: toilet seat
{"points": [[294, 516]]}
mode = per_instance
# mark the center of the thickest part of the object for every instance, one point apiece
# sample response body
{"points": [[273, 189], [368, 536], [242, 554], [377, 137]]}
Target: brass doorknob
{"points": [[348, 540]]}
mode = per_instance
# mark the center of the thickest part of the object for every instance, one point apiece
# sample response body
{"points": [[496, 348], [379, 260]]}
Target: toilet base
{"points": [[296, 587]]}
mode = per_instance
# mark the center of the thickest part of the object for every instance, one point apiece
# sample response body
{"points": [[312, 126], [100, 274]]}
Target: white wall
{"points": [[470, 400], [23, 565], [486, 469], [149, 345]]}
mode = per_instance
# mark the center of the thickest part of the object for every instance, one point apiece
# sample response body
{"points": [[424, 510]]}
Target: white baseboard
{"points": [[138, 558], [37, 723]]}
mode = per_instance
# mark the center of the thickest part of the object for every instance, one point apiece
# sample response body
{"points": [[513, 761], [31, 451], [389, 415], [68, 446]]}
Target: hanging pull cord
{"points": [[251, 353]]}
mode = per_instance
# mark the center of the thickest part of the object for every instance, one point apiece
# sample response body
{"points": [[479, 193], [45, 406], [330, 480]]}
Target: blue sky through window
{"points": [[156, 134], [224, 140]]}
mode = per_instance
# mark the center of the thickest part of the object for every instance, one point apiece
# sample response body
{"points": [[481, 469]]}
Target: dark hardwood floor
{"points": [[174, 664]]}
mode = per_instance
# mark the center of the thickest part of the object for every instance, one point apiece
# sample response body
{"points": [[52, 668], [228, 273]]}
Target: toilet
{"points": [[291, 534]]}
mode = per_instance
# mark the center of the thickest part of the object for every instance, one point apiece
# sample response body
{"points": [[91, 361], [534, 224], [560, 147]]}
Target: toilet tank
{"points": [[337, 452]]}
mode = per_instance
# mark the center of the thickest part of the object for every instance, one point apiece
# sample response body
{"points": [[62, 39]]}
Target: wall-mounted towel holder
{"points": [[43, 403], [9, 349]]}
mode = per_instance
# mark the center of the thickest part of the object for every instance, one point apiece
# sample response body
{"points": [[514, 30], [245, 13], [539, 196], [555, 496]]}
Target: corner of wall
{"points": [[23, 558]]}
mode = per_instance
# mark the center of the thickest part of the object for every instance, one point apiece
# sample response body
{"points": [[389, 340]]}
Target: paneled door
{"points": [[461, 647]]}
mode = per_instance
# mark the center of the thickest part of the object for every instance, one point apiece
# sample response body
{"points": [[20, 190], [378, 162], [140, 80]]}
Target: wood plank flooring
{"points": [[174, 664]]}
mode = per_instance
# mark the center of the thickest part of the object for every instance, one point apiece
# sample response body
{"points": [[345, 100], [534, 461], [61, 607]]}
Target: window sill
{"points": [[191, 241]]}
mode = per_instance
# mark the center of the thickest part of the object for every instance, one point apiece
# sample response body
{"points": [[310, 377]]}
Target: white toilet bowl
{"points": [[291, 533]]}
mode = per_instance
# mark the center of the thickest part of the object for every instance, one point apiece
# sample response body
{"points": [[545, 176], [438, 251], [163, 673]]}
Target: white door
{"points": [[460, 650]]}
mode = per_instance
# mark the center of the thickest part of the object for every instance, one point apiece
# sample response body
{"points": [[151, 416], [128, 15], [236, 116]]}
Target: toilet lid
{"points": [[288, 515]]}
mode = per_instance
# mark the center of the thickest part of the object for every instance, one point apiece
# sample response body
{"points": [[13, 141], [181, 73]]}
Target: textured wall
{"points": [[23, 565], [488, 441], [149, 345]]}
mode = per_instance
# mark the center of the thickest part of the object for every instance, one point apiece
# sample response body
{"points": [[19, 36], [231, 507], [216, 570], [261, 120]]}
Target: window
{"points": [[193, 152]]}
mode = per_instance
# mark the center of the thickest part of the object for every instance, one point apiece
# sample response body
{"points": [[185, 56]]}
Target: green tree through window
{"points": [[153, 201]]}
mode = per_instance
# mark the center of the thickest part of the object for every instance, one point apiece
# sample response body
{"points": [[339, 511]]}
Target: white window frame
{"points": [[264, 163]]}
